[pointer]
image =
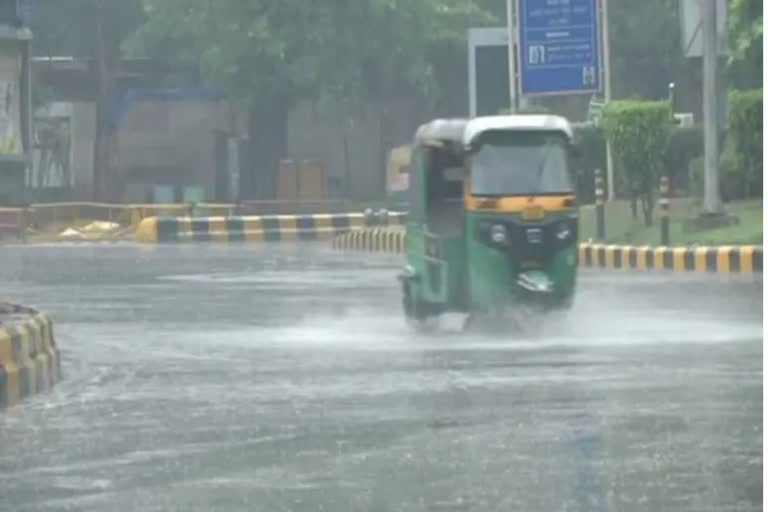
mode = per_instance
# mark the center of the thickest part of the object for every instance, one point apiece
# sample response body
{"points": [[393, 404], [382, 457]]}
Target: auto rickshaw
{"points": [[492, 223]]}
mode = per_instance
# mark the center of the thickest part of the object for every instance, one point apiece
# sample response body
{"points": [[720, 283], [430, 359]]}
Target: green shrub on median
{"points": [[744, 147], [640, 132], [686, 144]]}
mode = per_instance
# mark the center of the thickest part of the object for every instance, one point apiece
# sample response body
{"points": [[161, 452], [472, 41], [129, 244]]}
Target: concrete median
{"points": [[29, 358], [273, 228], [382, 240], [722, 259]]}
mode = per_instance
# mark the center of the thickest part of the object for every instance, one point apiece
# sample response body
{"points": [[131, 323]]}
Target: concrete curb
{"points": [[372, 240], [29, 358], [725, 259], [273, 228]]}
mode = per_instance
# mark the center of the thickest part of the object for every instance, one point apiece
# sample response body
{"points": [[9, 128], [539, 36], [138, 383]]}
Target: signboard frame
{"points": [[690, 28], [597, 23], [479, 37]]}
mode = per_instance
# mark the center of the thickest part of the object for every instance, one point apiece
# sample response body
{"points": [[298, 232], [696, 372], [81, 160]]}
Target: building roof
{"points": [[465, 131]]}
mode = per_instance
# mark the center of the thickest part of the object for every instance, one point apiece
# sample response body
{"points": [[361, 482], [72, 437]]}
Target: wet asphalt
{"points": [[283, 378]]}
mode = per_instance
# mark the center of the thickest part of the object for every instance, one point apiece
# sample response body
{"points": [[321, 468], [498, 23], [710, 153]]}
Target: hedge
{"points": [[639, 132], [686, 144], [744, 147], [741, 160]]}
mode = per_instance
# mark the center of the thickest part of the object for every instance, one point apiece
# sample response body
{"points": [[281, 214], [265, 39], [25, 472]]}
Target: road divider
{"points": [[272, 228], [724, 259], [372, 240], [29, 358]]}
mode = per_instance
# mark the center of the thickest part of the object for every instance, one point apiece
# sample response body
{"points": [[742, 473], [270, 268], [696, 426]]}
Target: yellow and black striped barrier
{"points": [[272, 228], [372, 240], [29, 357], [724, 259]]}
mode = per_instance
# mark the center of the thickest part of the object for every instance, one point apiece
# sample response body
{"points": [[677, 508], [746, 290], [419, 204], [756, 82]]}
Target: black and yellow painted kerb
{"points": [[29, 357], [736, 259], [372, 240], [728, 260], [274, 228]]}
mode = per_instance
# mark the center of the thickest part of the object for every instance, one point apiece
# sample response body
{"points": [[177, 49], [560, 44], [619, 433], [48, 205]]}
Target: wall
{"points": [[159, 142], [356, 141], [352, 142]]}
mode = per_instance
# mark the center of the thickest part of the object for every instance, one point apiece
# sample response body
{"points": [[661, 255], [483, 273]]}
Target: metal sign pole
{"points": [[711, 153], [511, 54], [606, 61]]}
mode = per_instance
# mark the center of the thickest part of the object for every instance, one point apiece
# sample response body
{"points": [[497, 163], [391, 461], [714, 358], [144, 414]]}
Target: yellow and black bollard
{"points": [[664, 209], [600, 204]]}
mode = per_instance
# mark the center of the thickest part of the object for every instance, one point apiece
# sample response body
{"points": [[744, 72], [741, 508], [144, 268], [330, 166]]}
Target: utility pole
{"points": [[513, 105], [100, 173], [606, 44], [711, 204]]}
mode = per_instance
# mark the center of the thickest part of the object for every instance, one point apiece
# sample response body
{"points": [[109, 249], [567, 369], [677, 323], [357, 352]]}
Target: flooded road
{"points": [[250, 378]]}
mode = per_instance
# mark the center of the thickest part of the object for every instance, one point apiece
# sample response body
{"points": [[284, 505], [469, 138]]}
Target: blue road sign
{"points": [[559, 50]]}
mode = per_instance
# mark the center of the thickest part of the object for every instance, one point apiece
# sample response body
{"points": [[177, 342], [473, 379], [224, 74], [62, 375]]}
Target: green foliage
{"points": [[696, 177], [67, 28], [745, 26], [639, 132], [347, 48], [645, 46], [745, 29], [685, 145], [590, 142], [730, 176], [745, 142]]}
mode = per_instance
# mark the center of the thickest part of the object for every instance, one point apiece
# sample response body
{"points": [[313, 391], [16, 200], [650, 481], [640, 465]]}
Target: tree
{"points": [[645, 47], [275, 52], [745, 27]]}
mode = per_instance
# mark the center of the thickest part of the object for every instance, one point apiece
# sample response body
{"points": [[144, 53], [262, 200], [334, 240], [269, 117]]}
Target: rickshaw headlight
{"points": [[499, 234], [563, 231]]}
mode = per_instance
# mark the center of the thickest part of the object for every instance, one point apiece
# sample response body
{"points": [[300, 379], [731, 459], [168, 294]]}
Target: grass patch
{"points": [[621, 228]]}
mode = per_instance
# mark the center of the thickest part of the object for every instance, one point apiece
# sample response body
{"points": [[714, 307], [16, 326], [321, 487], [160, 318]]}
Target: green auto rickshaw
{"points": [[492, 222]]}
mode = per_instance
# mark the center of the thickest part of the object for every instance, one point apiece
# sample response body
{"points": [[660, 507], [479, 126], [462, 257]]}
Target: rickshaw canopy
{"points": [[464, 132]]}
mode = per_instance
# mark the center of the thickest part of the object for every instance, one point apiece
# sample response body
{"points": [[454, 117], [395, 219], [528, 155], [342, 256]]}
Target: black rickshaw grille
{"points": [[530, 245]]}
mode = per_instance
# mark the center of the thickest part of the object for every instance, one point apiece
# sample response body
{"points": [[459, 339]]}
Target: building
{"points": [[15, 92], [172, 143]]}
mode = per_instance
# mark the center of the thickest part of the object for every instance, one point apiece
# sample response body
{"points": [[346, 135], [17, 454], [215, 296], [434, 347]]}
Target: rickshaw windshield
{"points": [[513, 164]]}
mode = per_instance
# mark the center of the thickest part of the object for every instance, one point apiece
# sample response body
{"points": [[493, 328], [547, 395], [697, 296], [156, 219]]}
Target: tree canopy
{"points": [[300, 48], [745, 25]]}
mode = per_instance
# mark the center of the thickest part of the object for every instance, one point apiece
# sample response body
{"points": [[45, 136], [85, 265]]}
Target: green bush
{"points": [[696, 177], [639, 132], [685, 145], [745, 142], [590, 142], [729, 171]]}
